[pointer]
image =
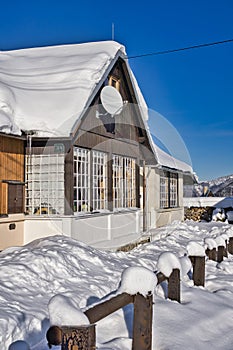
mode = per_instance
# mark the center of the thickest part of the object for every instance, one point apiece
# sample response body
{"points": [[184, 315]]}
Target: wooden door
{"points": [[15, 198]]}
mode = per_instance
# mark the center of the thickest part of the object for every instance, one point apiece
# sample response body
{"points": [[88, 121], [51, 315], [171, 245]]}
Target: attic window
{"points": [[113, 81]]}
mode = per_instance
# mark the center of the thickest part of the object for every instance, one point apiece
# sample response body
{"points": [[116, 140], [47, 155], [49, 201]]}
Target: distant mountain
{"points": [[220, 187]]}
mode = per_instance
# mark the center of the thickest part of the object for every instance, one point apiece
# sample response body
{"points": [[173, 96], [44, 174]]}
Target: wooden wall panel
{"points": [[11, 159], [11, 166], [3, 198]]}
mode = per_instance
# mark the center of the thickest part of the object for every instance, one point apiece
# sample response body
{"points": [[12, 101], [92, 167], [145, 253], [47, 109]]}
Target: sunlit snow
{"points": [[80, 276]]}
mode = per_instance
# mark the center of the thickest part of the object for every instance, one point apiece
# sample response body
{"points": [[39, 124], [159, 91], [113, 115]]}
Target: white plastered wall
{"points": [[157, 217]]}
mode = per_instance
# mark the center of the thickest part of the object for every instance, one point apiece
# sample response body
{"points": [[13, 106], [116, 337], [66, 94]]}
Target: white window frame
{"points": [[130, 182], [168, 190], [81, 180], [99, 180], [124, 182], [118, 180], [164, 190], [45, 184], [173, 190], [90, 180]]}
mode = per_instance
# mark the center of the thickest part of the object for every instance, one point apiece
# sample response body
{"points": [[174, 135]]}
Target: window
{"points": [[117, 171], [99, 176], [90, 180], [164, 190], [113, 81], [45, 184], [130, 188], [168, 190], [81, 180], [173, 190], [124, 190]]}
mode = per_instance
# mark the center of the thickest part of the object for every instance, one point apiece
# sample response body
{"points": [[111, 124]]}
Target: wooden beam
{"points": [[142, 328], [104, 309], [198, 263], [174, 285]]}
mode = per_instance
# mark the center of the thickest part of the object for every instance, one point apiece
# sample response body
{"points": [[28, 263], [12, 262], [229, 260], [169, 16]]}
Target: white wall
{"points": [[109, 230], [157, 217], [11, 235], [40, 227]]}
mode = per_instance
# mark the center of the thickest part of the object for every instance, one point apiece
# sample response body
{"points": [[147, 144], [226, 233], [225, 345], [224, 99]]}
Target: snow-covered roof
{"points": [[166, 160], [47, 88]]}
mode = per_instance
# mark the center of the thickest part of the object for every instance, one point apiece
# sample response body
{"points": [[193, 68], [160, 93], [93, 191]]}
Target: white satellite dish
{"points": [[111, 100]]}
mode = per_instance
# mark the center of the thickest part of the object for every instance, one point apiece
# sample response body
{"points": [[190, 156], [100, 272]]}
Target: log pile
{"points": [[198, 213]]}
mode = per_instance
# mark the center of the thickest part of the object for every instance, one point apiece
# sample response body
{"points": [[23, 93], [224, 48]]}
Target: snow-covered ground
{"points": [[31, 275]]}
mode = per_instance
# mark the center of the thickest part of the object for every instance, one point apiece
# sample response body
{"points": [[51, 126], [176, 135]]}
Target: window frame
{"points": [[169, 192], [124, 176], [94, 181], [45, 184]]}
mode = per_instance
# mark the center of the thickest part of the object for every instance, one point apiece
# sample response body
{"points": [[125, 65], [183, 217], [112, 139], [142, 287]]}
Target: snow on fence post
{"points": [[169, 267], [211, 248], [196, 253], [140, 282], [71, 327]]}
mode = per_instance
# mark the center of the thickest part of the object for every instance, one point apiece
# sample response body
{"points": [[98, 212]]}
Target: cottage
{"points": [[77, 157]]}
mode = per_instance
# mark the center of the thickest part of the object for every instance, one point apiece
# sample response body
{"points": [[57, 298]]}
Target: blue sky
{"points": [[192, 89]]}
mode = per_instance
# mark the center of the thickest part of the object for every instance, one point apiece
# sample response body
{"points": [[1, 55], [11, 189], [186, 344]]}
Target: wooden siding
{"points": [[11, 159], [11, 166], [128, 124]]}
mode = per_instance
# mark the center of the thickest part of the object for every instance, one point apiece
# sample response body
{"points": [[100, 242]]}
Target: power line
{"points": [[182, 49]]}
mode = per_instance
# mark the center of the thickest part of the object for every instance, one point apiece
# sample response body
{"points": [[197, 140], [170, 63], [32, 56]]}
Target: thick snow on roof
{"points": [[166, 160], [47, 88]]}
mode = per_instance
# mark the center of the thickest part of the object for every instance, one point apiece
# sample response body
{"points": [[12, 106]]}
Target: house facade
{"points": [[87, 166]]}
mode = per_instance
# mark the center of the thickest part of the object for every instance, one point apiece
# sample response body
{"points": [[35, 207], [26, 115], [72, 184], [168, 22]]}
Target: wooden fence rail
{"points": [[69, 337], [83, 337]]}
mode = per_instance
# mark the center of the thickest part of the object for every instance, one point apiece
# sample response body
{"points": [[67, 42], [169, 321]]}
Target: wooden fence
{"points": [[83, 337]]}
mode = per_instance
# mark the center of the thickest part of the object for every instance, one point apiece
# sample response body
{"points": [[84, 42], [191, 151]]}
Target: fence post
{"points": [[142, 327], [198, 263], [212, 254], [174, 285], [220, 253], [230, 245]]}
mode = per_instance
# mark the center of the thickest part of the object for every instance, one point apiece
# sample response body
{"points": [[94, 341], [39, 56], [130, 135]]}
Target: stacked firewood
{"points": [[198, 213]]}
